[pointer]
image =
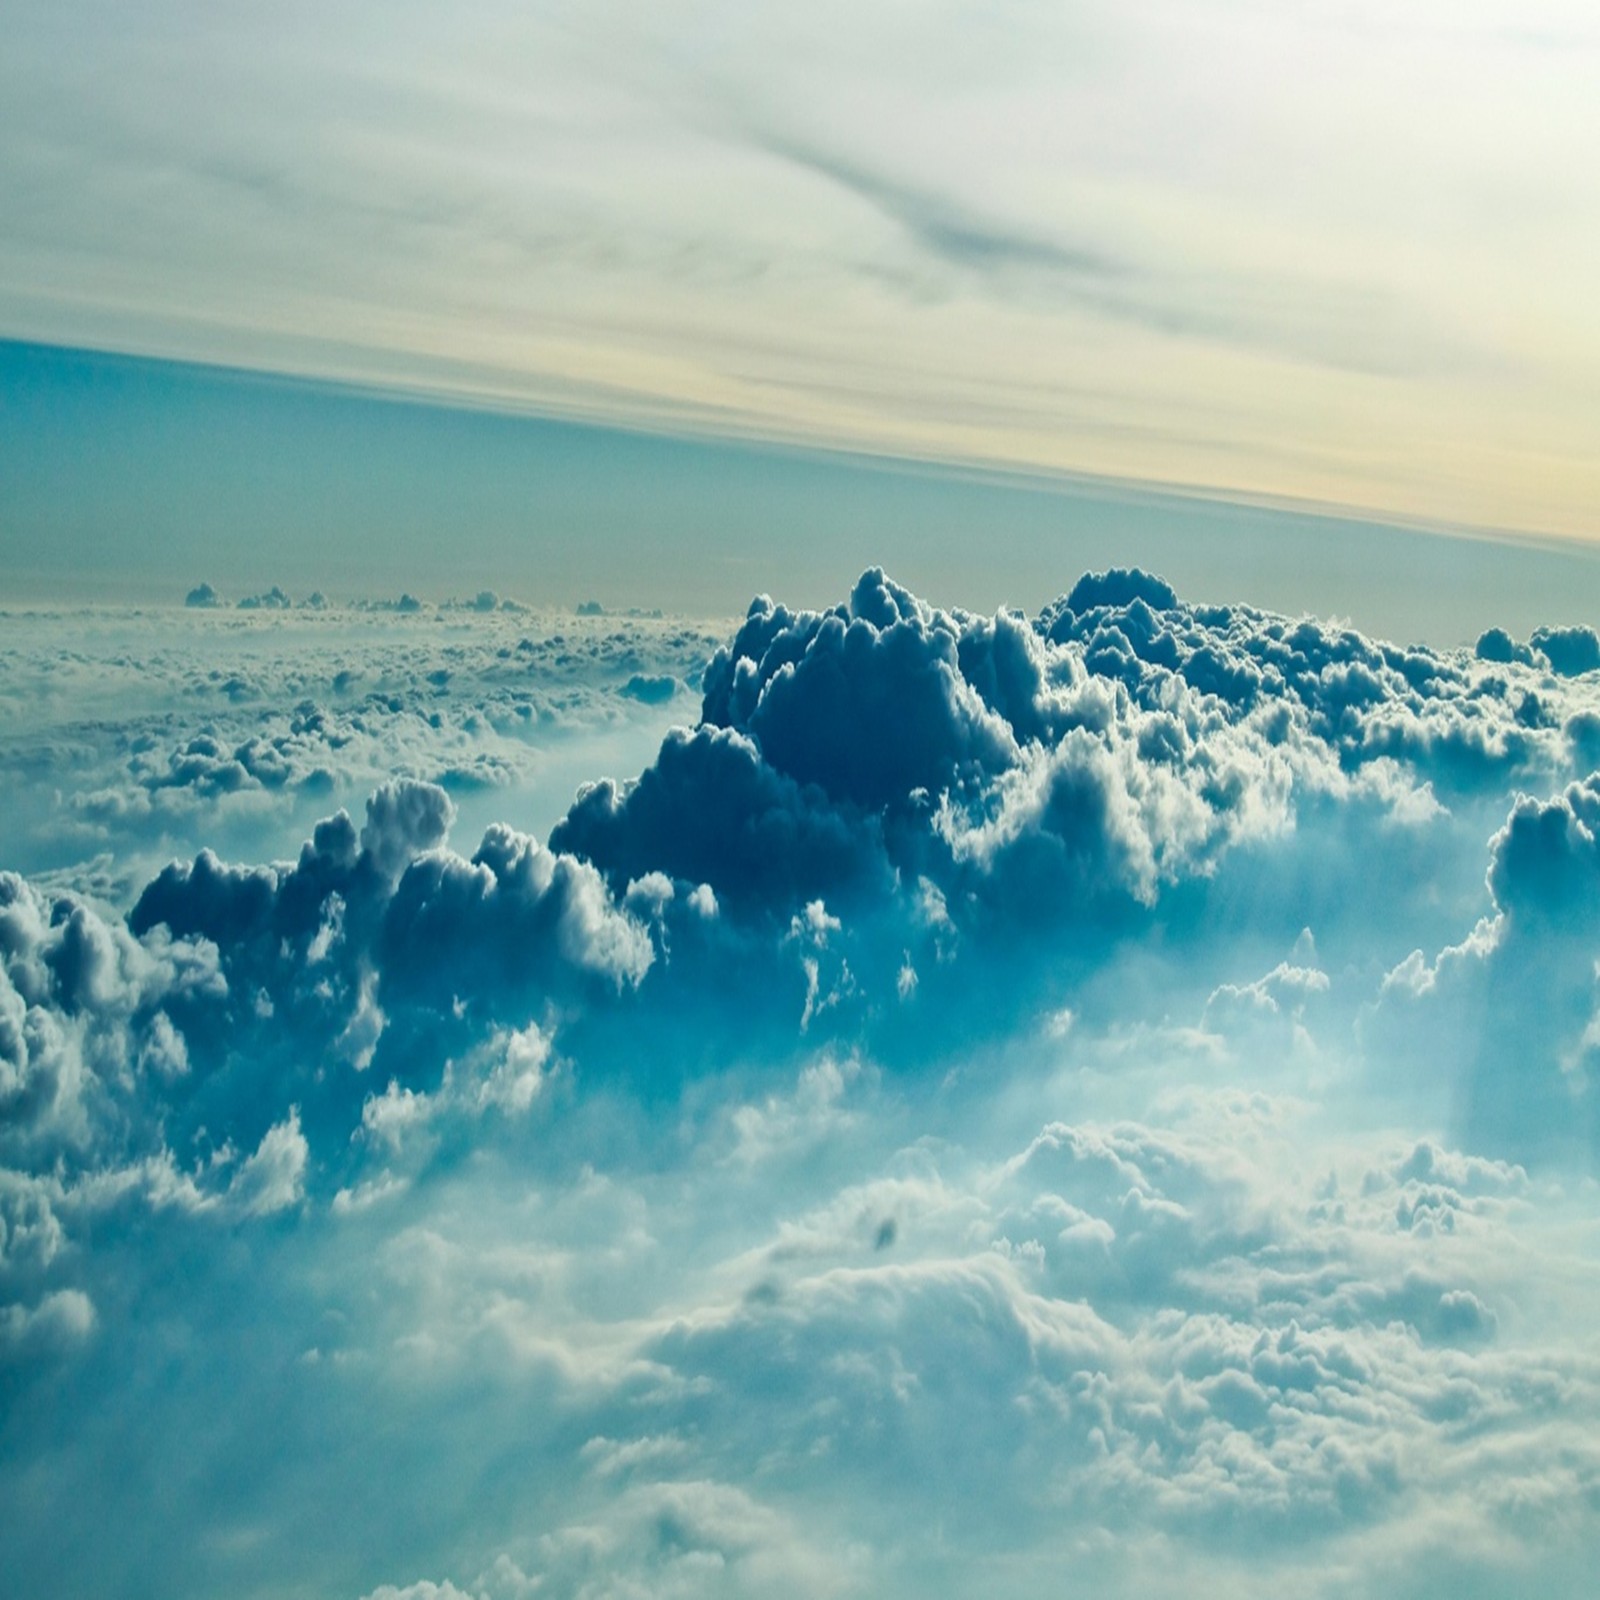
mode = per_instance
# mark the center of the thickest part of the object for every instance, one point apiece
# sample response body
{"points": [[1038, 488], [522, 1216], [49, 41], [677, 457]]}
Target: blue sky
{"points": [[799, 803], [132, 477]]}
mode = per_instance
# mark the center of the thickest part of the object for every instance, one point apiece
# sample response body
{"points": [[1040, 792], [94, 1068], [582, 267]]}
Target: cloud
{"points": [[60, 1321], [946, 229], [1570, 651], [867, 703], [273, 599], [1159, 1336], [1020, 264], [243, 729], [404, 820], [80, 1004], [1514, 1003], [650, 690], [1082, 766], [273, 1178], [1110, 1087], [710, 810], [1052, 790]]}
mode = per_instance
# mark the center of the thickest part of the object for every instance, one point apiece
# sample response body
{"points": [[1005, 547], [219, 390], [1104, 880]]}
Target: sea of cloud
{"points": [[972, 1104]]}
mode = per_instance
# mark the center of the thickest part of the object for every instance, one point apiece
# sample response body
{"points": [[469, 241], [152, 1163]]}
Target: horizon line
{"points": [[679, 422]]}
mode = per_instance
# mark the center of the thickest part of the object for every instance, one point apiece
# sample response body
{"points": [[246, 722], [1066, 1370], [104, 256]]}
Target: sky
{"points": [[1337, 253], [132, 478], [799, 802]]}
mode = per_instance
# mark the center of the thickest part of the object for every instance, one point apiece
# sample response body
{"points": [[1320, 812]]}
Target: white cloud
{"points": [[1175, 1219], [272, 1179], [61, 1320]]}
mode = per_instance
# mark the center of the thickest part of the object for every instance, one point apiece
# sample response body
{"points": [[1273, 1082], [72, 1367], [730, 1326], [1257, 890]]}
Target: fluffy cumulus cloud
{"points": [[1108, 1092]]}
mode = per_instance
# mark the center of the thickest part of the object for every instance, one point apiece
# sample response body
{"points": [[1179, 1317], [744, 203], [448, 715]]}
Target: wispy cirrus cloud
{"points": [[1244, 238]]}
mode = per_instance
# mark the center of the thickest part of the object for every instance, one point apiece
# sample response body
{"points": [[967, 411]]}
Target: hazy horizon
{"points": [[129, 477]]}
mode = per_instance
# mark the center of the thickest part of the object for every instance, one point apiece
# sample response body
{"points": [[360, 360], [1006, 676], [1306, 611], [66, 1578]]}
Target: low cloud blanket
{"points": [[972, 1103]]}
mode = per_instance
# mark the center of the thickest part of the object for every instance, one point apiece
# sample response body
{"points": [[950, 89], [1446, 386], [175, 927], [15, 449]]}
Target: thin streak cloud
{"points": [[946, 230], [1345, 327]]}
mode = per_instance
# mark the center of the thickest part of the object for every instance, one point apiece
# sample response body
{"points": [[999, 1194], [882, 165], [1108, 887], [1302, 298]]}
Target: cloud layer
{"points": [[1108, 1091]]}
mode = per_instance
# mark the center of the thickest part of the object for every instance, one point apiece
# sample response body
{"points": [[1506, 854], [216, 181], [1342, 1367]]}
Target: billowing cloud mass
{"points": [[993, 1097]]}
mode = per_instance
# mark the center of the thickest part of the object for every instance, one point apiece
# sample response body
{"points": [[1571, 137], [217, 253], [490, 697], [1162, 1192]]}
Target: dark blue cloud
{"points": [[1570, 651], [868, 701], [711, 810]]}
